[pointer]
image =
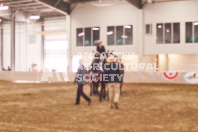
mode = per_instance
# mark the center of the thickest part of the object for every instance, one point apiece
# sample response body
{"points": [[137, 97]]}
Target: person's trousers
{"points": [[114, 93], [95, 87], [102, 91], [81, 93]]}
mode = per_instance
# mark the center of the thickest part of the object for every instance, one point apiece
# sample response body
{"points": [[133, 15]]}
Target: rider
{"points": [[100, 48]]}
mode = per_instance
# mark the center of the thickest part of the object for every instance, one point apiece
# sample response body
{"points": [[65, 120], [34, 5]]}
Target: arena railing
{"points": [[184, 74]]}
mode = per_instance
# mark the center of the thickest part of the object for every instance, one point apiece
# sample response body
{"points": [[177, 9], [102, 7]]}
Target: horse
{"points": [[97, 68], [94, 69]]}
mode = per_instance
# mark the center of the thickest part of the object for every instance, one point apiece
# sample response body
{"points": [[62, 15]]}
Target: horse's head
{"points": [[107, 54], [97, 56]]}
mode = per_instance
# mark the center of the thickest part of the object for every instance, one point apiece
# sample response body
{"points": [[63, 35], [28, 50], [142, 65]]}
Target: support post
{"points": [[13, 41], [140, 35], [42, 46], [1, 46], [69, 51]]}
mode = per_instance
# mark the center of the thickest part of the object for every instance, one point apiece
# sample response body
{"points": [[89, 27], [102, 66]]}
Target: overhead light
{"points": [[80, 34], [110, 33], [35, 17], [95, 28], [195, 23], [127, 26], [167, 30], [0, 20], [159, 26], [124, 36], [150, 1], [4, 7], [101, 4]]}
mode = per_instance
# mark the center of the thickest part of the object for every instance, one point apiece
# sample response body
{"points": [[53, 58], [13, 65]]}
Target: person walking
{"points": [[114, 77], [79, 79]]}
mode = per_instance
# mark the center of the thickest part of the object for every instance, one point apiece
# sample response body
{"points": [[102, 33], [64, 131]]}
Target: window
{"points": [[168, 33], [87, 36], [120, 35], [189, 31], [96, 35], [192, 32], [128, 35], [110, 35], [79, 36], [148, 29], [196, 31], [159, 33], [176, 32]]}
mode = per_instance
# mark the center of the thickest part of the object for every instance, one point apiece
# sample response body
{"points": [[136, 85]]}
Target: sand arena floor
{"points": [[143, 108]]}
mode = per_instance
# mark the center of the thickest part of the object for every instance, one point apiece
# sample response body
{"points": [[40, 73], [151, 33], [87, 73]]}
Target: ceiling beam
{"points": [[62, 7], [25, 5], [74, 1], [30, 7], [136, 3], [16, 2]]}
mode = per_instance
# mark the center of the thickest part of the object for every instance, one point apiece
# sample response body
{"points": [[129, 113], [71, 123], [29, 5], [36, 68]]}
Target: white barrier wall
{"points": [[183, 62], [129, 77]]}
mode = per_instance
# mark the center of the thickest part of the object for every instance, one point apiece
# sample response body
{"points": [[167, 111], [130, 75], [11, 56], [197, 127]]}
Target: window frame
{"points": [[115, 35], [83, 38], [172, 33], [179, 32], [149, 29], [193, 32], [92, 43]]}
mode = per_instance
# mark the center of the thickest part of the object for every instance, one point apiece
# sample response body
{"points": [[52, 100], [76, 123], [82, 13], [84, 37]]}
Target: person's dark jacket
{"points": [[100, 49], [103, 66], [112, 70], [79, 78]]}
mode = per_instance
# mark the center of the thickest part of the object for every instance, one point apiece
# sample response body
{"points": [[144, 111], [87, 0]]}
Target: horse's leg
{"points": [[104, 93], [96, 88], [91, 88], [103, 90], [100, 94], [93, 85]]}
